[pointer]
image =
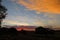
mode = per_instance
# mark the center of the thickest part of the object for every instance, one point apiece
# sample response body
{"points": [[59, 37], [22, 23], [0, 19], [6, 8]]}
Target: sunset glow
{"points": [[52, 6], [32, 13]]}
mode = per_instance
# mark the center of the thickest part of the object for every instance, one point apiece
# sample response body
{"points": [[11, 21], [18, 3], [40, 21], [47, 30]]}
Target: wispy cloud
{"points": [[38, 23], [51, 6], [10, 22], [53, 19]]}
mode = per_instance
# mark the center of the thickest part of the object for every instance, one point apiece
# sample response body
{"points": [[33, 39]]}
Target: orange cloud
{"points": [[51, 6]]}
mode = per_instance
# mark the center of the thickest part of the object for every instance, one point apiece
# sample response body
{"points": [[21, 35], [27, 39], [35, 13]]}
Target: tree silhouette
{"points": [[41, 30], [2, 13]]}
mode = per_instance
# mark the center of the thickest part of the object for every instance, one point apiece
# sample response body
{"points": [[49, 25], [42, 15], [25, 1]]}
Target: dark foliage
{"points": [[23, 31], [2, 12], [41, 30], [7, 31], [13, 34]]}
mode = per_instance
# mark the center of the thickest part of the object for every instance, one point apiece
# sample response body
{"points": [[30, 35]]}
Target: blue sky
{"points": [[20, 15]]}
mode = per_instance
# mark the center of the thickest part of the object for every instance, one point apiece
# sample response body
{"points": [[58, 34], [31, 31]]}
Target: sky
{"points": [[32, 12]]}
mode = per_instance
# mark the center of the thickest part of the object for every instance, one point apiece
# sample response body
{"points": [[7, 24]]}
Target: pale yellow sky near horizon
{"points": [[32, 12]]}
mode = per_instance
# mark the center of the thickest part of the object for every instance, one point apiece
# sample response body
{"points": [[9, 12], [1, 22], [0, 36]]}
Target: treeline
{"points": [[40, 33], [38, 30]]}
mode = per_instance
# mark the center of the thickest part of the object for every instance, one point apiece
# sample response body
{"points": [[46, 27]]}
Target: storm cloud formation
{"points": [[50, 6]]}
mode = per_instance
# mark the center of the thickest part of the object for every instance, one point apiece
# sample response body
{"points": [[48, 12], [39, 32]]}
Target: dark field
{"points": [[13, 34]]}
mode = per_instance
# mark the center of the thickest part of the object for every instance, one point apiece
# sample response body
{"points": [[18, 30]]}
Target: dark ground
{"points": [[12, 34]]}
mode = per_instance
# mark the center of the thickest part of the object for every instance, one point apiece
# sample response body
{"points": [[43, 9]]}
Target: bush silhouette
{"points": [[41, 30], [23, 31], [12, 31], [8, 31]]}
